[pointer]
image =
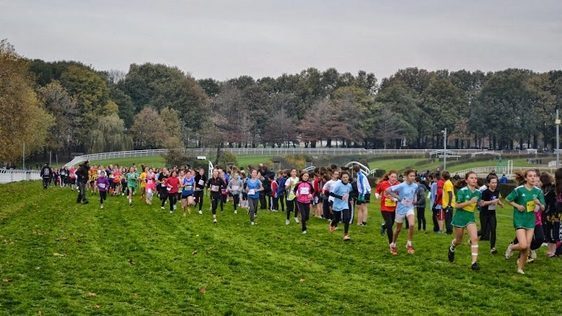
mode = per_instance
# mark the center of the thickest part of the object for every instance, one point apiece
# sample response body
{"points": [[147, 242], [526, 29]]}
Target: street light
{"points": [[444, 148]]}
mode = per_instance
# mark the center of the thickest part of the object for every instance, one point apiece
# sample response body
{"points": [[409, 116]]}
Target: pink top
{"points": [[304, 191]]}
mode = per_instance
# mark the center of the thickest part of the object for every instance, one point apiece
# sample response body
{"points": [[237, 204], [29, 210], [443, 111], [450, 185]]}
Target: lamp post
{"points": [[444, 148], [557, 122]]}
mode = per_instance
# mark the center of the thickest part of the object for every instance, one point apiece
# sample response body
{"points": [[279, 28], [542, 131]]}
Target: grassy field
{"points": [[57, 257], [418, 163]]}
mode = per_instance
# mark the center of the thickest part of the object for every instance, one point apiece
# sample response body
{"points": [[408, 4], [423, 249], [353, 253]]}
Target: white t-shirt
{"points": [[328, 187]]}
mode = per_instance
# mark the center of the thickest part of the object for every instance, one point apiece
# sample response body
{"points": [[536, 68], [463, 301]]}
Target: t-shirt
{"points": [[132, 179], [341, 189], [172, 184], [487, 196], [303, 190], [466, 194], [448, 187], [290, 185], [327, 188], [407, 194], [188, 185], [523, 196], [387, 203], [253, 185]]}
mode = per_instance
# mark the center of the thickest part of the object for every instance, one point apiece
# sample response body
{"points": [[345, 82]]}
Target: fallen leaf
{"points": [[97, 306], [202, 290], [194, 252], [302, 280], [91, 294]]}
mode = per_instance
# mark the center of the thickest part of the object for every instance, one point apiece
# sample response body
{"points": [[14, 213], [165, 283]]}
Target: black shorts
{"points": [[367, 199]]}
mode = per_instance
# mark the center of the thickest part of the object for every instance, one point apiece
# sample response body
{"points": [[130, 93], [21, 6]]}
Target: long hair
{"points": [[558, 181], [386, 176], [463, 182]]}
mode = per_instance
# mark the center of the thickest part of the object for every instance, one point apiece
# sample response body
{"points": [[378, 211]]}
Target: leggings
{"points": [[281, 199], [326, 209], [215, 199], [290, 208], [103, 196], [253, 206], [434, 215], [389, 223], [488, 228], [346, 219], [552, 231], [304, 208], [421, 217], [236, 200], [173, 199], [163, 197], [199, 198]]}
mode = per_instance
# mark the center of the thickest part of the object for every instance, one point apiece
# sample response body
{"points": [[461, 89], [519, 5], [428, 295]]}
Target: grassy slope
{"points": [[59, 257], [387, 164]]}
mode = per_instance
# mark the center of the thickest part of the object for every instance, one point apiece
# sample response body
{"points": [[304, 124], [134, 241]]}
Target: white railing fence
{"points": [[264, 152], [14, 175]]}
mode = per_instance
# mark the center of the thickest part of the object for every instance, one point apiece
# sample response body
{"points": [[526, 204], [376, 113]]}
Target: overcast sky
{"points": [[229, 38]]}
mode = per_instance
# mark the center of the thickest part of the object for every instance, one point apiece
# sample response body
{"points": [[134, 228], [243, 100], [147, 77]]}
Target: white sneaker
{"points": [[162, 207], [533, 254], [296, 220], [520, 271], [200, 213], [171, 212], [235, 212], [252, 223], [304, 232], [214, 220], [287, 222], [508, 252], [101, 206]]}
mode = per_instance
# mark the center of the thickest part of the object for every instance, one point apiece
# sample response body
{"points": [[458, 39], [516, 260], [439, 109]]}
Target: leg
{"points": [[523, 246], [473, 233], [290, 205], [448, 219], [411, 221], [336, 219], [434, 213], [214, 205], [389, 218], [420, 214], [347, 219], [396, 232], [253, 203], [492, 223]]}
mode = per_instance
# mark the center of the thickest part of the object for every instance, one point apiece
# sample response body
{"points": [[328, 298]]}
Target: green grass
{"points": [[153, 161], [400, 164], [57, 257]]}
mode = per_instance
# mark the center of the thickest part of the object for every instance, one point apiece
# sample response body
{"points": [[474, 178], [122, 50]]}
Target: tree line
{"points": [[68, 107]]}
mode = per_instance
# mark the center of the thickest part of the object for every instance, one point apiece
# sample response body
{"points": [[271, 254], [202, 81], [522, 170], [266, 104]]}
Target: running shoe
{"points": [[393, 250], [235, 212], [304, 232], [287, 222], [162, 207], [520, 271], [533, 254], [252, 223], [493, 251], [331, 228], [411, 249], [508, 252], [475, 266], [346, 238], [296, 220], [200, 212], [214, 220], [101, 206], [530, 260], [451, 255]]}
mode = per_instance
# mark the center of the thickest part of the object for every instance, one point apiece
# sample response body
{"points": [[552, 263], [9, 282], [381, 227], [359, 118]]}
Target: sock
{"points": [[474, 249], [453, 245], [409, 243]]}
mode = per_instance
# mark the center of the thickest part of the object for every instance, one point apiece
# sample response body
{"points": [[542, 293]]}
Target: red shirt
{"points": [[387, 204], [274, 187], [439, 195], [172, 184]]}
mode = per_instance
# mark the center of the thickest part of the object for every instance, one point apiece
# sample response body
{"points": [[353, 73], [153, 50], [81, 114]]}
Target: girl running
{"points": [[235, 188], [328, 200], [162, 189], [290, 185], [150, 187], [253, 188], [317, 184], [188, 186], [466, 203], [340, 191], [525, 199], [172, 186], [490, 200], [304, 194], [215, 184], [200, 180], [132, 178], [388, 203], [405, 193], [102, 184]]}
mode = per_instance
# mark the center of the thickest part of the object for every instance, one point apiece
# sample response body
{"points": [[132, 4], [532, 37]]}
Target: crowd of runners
{"points": [[340, 195]]}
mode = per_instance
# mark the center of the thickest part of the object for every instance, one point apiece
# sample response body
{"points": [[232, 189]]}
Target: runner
{"points": [[103, 185], [490, 200], [388, 203], [340, 191], [162, 189], [188, 186], [46, 174], [290, 185], [253, 188], [552, 216], [172, 184], [405, 194], [525, 199], [304, 192], [467, 202], [234, 188], [421, 193], [215, 184], [200, 180], [132, 179]]}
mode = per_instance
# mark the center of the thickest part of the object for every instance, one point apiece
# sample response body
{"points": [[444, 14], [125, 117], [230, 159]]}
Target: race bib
{"points": [[305, 190], [471, 207], [215, 188], [169, 188], [388, 202], [188, 187], [101, 185], [201, 182], [492, 207], [407, 202], [531, 206], [235, 188], [251, 192]]}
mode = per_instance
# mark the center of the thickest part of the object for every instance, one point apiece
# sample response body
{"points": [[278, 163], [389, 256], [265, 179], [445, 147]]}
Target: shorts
{"points": [[400, 216], [523, 220], [366, 199], [132, 189], [186, 195], [463, 218]]}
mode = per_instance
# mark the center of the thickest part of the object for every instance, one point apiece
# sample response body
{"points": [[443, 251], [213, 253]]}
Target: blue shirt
{"points": [[341, 189], [188, 186], [253, 185], [407, 194]]}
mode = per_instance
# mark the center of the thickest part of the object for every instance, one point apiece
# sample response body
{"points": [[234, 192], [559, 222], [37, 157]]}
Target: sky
{"points": [[224, 39]]}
